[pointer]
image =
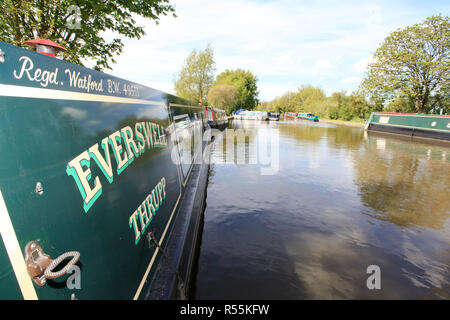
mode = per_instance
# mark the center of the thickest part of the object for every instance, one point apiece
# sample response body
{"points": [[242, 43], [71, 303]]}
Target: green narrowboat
{"points": [[418, 125], [102, 183], [307, 116]]}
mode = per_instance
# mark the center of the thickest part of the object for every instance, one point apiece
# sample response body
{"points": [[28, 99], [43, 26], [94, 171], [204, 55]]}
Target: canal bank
{"points": [[341, 201], [342, 122]]}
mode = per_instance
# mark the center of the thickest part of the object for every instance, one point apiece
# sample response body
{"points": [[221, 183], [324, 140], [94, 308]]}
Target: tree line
{"points": [[312, 99], [230, 90], [409, 73]]}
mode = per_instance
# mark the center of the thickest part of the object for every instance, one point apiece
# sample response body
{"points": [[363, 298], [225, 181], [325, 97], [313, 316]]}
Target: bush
{"points": [[333, 113]]}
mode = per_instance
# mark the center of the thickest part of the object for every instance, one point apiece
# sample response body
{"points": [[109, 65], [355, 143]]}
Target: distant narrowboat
{"points": [[290, 116], [273, 116], [217, 118], [307, 116], [418, 125], [251, 115]]}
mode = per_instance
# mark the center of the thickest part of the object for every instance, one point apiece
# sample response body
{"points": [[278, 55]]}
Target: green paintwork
{"points": [[8, 282], [416, 121], [40, 136], [307, 116]]}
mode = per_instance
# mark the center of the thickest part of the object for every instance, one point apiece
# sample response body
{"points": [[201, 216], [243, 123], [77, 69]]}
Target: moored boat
{"points": [[412, 124], [217, 118], [290, 116], [307, 116], [273, 116], [251, 115]]}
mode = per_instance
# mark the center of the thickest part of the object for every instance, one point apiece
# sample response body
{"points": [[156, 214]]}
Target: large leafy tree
{"points": [[412, 62], [245, 83], [78, 25], [440, 101], [196, 76], [223, 96], [288, 102]]}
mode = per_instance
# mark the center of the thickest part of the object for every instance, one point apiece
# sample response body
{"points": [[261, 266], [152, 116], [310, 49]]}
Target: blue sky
{"points": [[285, 43]]}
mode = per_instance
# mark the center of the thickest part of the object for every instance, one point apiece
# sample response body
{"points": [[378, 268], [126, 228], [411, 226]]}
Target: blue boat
{"points": [[308, 116]]}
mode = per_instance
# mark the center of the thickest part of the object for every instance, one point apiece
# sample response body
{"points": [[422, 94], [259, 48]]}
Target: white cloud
{"points": [[254, 46], [323, 64], [285, 58], [160, 85], [273, 90], [374, 18], [285, 43], [350, 80], [361, 65]]}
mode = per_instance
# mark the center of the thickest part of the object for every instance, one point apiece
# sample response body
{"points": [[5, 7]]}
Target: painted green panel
{"points": [[47, 138], [9, 288], [413, 121]]}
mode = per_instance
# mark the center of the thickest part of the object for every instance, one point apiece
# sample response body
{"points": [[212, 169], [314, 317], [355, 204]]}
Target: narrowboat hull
{"points": [[414, 125], [309, 118], [251, 115], [290, 116], [217, 118], [102, 166], [218, 124], [273, 116]]}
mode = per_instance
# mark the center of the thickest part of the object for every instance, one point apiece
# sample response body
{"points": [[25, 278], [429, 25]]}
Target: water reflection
{"points": [[341, 201], [409, 184]]}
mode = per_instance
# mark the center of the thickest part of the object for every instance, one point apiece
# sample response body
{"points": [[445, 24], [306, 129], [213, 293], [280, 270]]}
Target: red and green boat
{"points": [[290, 116]]}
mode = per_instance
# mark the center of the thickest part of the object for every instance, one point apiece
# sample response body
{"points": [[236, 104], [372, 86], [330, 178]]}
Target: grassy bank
{"points": [[352, 123]]}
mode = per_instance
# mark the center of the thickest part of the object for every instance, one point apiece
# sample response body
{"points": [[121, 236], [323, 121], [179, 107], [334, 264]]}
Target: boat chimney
{"points": [[44, 46]]}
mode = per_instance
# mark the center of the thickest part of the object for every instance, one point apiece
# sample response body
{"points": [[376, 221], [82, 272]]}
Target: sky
{"points": [[284, 43]]}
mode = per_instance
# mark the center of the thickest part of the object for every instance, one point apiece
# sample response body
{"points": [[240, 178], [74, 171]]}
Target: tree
{"points": [[335, 101], [311, 99], [441, 100], [354, 106], [412, 62], [288, 102], [223, 96], [400, 104], [78, 25], [245, 83], [196, 75]]}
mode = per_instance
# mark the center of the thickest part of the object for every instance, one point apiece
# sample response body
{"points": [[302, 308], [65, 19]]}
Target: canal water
{"points": [[338, 201]]}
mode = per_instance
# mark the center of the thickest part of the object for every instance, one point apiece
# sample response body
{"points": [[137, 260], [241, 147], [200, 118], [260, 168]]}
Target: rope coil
{"points": [[49, 274]]}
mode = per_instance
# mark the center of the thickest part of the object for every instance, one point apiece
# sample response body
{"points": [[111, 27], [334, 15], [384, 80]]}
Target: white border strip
{"points": [[15, 253], [430, 116], [183, 105], [42, 93], [410, 127]]}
